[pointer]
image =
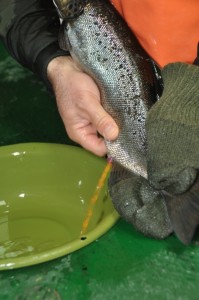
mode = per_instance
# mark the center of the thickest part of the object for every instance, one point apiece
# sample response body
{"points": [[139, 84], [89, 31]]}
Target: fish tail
{"points": [[183, 211]]}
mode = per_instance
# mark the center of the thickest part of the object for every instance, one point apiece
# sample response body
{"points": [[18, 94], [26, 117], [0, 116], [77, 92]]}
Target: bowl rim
{"points": [[69, 247]]}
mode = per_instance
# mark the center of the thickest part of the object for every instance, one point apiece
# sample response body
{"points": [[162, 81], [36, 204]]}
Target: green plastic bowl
{"points": [[44, 194]]}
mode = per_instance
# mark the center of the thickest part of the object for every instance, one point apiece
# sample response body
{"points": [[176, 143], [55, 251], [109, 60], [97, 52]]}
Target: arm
{"points": [[29, 30]]}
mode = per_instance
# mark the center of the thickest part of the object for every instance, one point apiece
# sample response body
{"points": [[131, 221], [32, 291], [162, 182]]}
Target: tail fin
{"points": [[183, 211]]}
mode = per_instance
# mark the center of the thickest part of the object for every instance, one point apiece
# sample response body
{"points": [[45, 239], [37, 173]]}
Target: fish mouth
{"points": [[70, 9]]}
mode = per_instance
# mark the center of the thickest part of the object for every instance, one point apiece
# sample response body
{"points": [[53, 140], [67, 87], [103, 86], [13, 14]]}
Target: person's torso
{"points": [[168, 30]]}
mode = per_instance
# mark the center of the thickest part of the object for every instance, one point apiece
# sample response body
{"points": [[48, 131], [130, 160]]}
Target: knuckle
{"points": [[102, 122]]}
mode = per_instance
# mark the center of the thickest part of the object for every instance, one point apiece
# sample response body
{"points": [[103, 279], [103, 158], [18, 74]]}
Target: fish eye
{"points": [[73, 8]]}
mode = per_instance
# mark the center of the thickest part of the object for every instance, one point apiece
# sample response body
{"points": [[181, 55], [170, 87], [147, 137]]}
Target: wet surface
{"points": [[122, 264]]}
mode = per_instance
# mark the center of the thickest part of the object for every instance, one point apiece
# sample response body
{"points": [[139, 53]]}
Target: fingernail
{"points": [[110, 132]]}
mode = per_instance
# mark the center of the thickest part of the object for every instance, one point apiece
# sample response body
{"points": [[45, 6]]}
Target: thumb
{"points": [[103, 122]]}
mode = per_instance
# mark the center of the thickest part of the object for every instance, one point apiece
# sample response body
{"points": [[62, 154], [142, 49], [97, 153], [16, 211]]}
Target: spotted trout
{"points": [[101, 43]]}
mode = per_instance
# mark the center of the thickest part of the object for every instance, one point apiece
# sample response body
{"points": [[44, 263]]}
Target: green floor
{"points": [[122, 264]]}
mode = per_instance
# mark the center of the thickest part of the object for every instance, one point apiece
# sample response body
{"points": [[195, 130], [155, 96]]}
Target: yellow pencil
{"points": [[95, 197]]}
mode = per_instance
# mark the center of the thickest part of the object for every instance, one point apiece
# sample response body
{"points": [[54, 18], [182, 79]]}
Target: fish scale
{"points": [[105, 48]]}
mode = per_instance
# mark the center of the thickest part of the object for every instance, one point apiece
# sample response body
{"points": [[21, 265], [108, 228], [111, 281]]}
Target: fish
{"points": [[129, 81], [107, 50]]}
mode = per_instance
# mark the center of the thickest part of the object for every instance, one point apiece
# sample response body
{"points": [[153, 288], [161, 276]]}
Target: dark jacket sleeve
{"points": [[29, 30]]}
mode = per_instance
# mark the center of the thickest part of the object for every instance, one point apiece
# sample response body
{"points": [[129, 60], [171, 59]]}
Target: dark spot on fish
{"points": [[83, 238], [130, 77], [113, 47]]}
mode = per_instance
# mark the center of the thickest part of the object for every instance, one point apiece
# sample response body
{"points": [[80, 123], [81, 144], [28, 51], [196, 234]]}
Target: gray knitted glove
{"points": [[138, 203], [172, 130], [171, 200]]}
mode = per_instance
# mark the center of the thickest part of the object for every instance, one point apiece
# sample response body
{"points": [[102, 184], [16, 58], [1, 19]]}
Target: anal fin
{"points": [[118, 173]]}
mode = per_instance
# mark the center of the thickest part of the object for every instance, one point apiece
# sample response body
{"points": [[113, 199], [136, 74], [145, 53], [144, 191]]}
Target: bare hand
{"points": [[78, 100]]}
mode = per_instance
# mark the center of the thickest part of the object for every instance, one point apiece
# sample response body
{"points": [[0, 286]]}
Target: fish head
{"points": [[69, 12], [77, 30], [69, 9]]}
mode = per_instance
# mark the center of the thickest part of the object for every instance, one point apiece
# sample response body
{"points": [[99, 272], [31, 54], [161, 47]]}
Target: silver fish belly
{"points": [[102, 44]]}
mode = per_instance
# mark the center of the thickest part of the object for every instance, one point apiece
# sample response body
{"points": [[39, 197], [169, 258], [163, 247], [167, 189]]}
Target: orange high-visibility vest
{"points": [[168, 30]]}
